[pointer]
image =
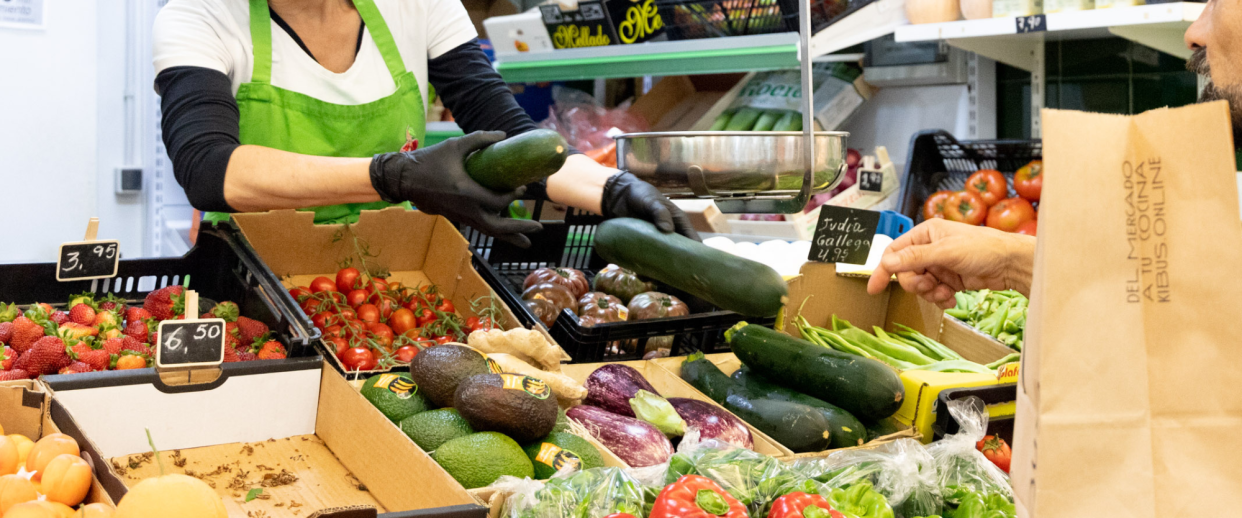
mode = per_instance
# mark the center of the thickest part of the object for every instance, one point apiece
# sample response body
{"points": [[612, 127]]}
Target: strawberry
{"points": [[80, 348], [165, 303], [25, 333], [59, 317], [136, 314], [15, 374], [114, 345], [76, 368], [113, 303], [230, 355], [6, 332], [270, 350], [8, 312], [7, 357], [107, 331], [131, 361], [72, 331], [106, 317], [82, 314], [37, 307], [137, 330], [98, 359], [85, 297], [138, 348], [249, 329], [226, 310], [46, 356], [246, 356]]}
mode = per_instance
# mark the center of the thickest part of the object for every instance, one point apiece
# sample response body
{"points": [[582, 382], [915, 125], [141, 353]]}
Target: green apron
{"points": [[286, 120]]}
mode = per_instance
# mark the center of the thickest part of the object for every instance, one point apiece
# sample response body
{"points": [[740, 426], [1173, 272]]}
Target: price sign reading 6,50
{"points": [[87, 260], [190, 343]]}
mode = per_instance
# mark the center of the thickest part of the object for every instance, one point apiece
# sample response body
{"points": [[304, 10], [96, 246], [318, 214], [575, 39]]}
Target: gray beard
{"points": [[1198, 64]]}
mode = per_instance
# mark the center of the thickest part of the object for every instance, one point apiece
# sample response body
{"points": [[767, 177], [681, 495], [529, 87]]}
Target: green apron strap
{"points": [[382, 37], [261, 35]]}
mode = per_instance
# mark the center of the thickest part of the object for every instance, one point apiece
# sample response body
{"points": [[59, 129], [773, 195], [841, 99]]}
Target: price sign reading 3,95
{"points": [[190, 343], [87, 260]]}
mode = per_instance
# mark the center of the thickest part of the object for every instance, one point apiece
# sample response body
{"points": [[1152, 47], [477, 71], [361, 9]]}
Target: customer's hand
{"points": [[938, 258], [434, 179], [625, 196]]}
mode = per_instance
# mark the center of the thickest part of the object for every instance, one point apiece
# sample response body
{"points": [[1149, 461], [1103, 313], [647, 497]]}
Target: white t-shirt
{"points": [[215, 34]]}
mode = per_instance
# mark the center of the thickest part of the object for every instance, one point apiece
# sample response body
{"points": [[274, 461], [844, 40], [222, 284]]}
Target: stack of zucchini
{"points": [[755, 119]]}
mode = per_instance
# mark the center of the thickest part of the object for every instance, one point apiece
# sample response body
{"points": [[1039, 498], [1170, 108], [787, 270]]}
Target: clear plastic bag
{"points": [[903, 471], [754, 479], [589, 493], [585, 124], [961, 467]]}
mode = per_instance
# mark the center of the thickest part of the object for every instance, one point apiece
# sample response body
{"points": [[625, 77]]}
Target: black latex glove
{"points": [[434, 179], [625, 196]]}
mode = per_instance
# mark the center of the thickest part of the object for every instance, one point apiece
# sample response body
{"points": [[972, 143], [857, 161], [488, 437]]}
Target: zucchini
{"points": [[723, 279], [799, 427], [743, 120], [518, 160], [722, 121], [792, 121], [864, 387], [847, 430], [704, 375], [767, 120]]}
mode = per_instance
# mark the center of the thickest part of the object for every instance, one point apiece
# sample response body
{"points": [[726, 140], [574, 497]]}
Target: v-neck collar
{"points": [[292, 34]]}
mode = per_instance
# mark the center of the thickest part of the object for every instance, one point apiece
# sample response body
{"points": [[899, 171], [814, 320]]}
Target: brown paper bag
{"points": [[1130, 399]]}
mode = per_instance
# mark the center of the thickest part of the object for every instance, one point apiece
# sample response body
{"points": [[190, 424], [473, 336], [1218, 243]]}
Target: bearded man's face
{"points": [[1214, 37]]}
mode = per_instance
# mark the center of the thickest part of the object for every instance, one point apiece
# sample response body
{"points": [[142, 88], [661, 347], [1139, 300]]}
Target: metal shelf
{"points": [[1159, 26]]}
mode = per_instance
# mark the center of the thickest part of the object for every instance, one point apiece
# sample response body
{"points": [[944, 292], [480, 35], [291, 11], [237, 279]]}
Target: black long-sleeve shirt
{"points": [[201, 122]]}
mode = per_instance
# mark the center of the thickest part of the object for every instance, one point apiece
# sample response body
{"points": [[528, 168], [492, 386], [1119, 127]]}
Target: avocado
{"points": [[519, 406], [560, 449], [478, 459], [395, 395], [562, 421], [437, 371], [435, 427]]}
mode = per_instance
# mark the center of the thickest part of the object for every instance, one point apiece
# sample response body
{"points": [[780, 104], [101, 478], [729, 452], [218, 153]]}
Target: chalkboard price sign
{"points": [[87, 260], [871, 181], [843, 235], [190, 343]]}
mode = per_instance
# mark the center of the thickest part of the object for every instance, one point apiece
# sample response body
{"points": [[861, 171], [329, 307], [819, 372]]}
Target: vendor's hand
{"points": [[938, 258], [434, 179], [625, 196]]}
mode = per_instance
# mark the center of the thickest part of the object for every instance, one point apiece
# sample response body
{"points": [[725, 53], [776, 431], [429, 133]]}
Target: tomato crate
{"points": [[997, 399], [568, 243], [216, 267], [940, 162]]}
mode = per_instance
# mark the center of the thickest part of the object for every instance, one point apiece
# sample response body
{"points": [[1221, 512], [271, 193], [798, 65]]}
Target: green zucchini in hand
{"points": [[846, 429], [518, 160], [723, 279], [864, 387]]}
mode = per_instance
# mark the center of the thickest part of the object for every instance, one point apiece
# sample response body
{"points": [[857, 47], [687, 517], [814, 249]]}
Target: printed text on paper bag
{"points": [[1145, 232], [843, 235]]}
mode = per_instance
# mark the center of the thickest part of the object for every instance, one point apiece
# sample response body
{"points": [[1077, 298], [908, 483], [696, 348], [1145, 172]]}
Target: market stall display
{"points": [[999, 314]]}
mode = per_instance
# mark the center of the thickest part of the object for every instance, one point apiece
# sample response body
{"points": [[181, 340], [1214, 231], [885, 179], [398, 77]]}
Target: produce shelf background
{"points": [[939, 162], [568, 243]]}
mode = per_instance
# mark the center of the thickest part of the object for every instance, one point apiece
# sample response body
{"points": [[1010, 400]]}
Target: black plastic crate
{"points": [[996, 394], [568, 243], [939, 162], [698, 19], [217, 268]]}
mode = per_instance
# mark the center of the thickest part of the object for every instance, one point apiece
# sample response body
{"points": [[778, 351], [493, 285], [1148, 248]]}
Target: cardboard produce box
{"points": [[679, 103], [669, 385], [297, 431], [728, 363], [25, 409], [826, 294], [416, 248]]}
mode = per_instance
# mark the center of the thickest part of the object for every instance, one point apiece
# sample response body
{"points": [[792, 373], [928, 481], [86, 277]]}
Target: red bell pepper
{"points": [[803, 505], [694, 496]]}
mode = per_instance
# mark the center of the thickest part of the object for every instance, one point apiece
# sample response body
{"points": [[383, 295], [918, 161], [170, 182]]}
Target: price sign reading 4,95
{"points": [[843, 235], [87, 260], [190, 343]]}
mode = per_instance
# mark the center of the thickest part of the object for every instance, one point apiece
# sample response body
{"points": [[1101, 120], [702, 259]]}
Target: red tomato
{"points": [[1026, 228], [348, 314], [299, 292], [357, 359], [1029, 180], [346, 279], [321, 319], [996, 450], [406, 353], [322, 284], [989, 185], [472, 322], [443, 340], [1009, 214], [382, 334], [356, 298], [446, 306], [425, 316], [934, 206], [386, 306], [334, 331], [368, 313], [402, 320], [415, 334], [354, 329], [339, 344], [413, 305], [966, 207], [377, 285]]}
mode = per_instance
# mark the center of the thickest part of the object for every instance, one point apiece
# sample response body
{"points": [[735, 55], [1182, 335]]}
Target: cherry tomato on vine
{"points": [[356, 298], [402, 320], [321, 319], [446, 306], [406, 353], [348, 314], [340, 345], [298, 292], [357, 359], [334, 331], [426, 316], [382, 334], [322, 284], [346, 279], [368, 313], [441, 340]]}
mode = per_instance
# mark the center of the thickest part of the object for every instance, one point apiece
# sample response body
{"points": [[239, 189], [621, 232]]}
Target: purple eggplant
{"points": [[610, 387], [637, 443], [713, 422]]}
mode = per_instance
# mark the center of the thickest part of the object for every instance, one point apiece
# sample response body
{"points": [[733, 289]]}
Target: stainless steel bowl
{"points": [[717, 164]]}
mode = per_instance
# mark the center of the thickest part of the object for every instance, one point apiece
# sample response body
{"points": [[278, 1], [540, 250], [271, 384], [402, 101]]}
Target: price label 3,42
{"points": [[87, 260]]}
